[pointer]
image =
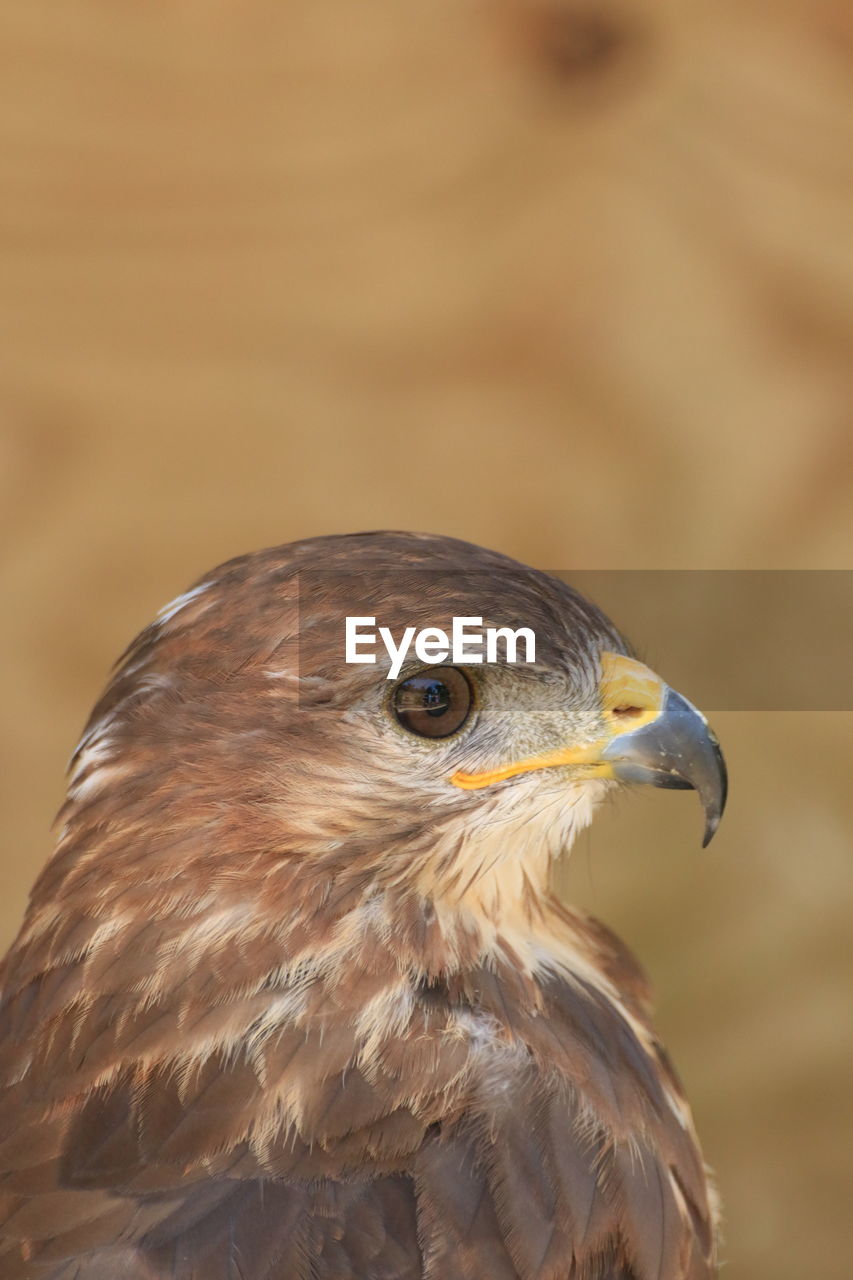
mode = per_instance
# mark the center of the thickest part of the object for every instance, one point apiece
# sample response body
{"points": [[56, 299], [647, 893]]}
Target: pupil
{"points": [[436, 699]]}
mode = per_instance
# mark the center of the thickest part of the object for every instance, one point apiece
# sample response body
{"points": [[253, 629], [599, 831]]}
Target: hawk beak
{"points": [[652, 734], [659, 737]]}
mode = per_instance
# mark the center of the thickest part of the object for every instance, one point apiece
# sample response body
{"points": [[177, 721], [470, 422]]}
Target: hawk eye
{"points": [[434, 703]]}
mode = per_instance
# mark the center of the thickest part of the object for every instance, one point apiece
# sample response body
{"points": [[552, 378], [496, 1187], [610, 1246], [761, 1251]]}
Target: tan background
{"points": [[573, 282]]}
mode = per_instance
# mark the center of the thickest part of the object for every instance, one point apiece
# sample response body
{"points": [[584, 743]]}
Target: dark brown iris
{"points": [[435, 703]]}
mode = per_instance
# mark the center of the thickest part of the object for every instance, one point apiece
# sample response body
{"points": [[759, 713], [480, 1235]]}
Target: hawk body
{"points": [[287, 1005]]}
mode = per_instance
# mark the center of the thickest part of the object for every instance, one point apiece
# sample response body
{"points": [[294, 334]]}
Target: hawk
{"points": [[293, 1000]]}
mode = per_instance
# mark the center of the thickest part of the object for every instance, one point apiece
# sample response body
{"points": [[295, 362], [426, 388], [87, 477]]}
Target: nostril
{"points": [[627, 712]]}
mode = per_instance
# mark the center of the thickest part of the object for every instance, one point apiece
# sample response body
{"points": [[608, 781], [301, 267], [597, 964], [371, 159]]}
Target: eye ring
{"points": [[433, 703]]}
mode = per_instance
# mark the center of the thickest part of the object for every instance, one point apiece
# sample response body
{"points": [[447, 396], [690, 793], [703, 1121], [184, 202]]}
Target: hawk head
{"points": [[236, 757]]}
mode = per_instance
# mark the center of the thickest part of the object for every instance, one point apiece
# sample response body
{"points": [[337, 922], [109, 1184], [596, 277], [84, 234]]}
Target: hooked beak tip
{"points": [[677, 749]]}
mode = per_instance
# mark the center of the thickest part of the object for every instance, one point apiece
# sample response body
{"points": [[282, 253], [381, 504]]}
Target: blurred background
{"points": [[570, 280]]}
